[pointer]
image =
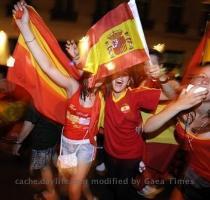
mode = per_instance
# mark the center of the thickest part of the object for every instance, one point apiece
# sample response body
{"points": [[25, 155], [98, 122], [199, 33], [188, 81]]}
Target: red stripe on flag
{"points": [[195, 61], [155, 150], [123, 62], [25, 75]]}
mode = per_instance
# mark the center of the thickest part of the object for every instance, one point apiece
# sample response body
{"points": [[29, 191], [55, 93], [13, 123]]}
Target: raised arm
{"points": [[153, 71], [69, 83], [185, 101], [73, 50]]}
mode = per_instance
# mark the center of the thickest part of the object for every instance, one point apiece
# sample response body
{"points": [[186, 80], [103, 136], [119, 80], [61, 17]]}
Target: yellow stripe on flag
{"points": [[103, 51], [102, 110], [60, 91], [206, 56], [165, 137]]}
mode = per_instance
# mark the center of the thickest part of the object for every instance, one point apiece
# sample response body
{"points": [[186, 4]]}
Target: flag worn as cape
{"points": [[49, 99], [201, 55], [160, 146], [114, 43]]}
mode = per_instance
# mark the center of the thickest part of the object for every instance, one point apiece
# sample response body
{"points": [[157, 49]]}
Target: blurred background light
{"points": [[159, 47], [10, 61], [4, 48]]}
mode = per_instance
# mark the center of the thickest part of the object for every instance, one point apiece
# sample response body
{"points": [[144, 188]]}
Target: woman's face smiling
{"points": [[120, 82]]}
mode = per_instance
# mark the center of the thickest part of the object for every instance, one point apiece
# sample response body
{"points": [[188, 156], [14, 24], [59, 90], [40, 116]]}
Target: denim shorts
{"points": [[85, 152], [42, 158]]}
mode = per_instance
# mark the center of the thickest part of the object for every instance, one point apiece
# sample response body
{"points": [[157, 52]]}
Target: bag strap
{"points": [[81, 143], [61, 141]]}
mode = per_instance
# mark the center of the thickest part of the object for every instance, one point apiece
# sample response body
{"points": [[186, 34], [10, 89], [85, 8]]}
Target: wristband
{"points": [[30, 40]]}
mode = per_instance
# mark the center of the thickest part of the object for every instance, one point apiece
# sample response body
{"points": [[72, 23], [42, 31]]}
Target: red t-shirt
{"points": [[122, 118], [199, 151], [77, 119]]}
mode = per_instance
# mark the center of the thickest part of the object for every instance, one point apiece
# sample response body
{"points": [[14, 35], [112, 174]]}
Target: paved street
{"points": [[14, 170]]}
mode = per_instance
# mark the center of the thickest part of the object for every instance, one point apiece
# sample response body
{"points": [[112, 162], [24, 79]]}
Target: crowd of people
{"points": [[123, 128]]}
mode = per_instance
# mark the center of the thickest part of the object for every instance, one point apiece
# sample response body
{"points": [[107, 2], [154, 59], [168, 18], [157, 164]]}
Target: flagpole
{"points": [[204, 50], [134, 10]]}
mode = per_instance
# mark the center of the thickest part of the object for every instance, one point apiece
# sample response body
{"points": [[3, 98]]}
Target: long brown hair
{"points": [[85, 89]]}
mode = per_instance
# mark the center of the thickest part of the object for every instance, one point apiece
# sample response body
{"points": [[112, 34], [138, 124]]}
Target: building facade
{"points": [[179, 24]]}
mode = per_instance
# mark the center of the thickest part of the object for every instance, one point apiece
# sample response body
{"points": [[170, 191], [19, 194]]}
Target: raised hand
{"points": [[73, 51], [190, 99], [21, 14]]}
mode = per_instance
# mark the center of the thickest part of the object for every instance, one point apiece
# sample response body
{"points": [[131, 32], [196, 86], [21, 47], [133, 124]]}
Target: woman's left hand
{"points": [[189, 99], [21, 7]]}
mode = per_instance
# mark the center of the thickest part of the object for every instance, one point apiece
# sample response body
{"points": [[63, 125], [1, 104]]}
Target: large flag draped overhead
{"points": [[116, 42], [201, 55], [49, 98]]}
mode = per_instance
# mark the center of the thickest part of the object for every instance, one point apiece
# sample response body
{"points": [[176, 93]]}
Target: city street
{"points": [[16, 184]]}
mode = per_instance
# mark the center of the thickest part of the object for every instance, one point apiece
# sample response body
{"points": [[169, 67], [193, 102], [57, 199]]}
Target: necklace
{"points": [[195, 130], [195, 133]]}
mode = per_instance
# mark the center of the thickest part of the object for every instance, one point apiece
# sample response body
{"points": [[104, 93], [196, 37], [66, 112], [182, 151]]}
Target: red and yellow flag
{"points": [[113, 43], [49, 98], [201, 55], [162, 144]]}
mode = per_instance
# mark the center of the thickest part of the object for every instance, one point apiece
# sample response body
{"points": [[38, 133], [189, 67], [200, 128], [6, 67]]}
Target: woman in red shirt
{"points": [[76, 138], [123, 146], [193, 133]]}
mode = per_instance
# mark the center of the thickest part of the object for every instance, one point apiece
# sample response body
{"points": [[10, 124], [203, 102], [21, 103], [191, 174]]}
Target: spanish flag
{"points": [[201, 55], [116, 42], [49, 98], [164, 143]]}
